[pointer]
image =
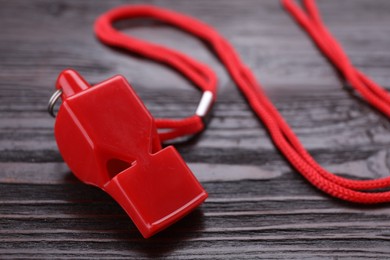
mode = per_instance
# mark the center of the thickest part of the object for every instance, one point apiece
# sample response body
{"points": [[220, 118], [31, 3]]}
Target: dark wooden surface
{"points": [[258, 206]]}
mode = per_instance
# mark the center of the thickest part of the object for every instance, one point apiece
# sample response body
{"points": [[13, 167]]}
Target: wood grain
{"points": [[258, 206]]}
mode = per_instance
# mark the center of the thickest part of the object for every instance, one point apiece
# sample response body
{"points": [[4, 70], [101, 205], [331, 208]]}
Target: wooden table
{"points": [[258, 205]]}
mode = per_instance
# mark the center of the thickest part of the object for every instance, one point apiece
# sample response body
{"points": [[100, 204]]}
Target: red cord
{"points": [[203, 77]]}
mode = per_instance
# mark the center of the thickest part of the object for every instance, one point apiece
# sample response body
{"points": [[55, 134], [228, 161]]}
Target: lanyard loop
{"points": [[201, 75], [204, 78]]}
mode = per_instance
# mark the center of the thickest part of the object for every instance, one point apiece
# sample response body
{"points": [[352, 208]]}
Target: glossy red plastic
{"points": [[108, 139]]}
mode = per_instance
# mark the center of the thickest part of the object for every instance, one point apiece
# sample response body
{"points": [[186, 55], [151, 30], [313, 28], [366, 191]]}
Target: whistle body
{"points": [[109, 139]]}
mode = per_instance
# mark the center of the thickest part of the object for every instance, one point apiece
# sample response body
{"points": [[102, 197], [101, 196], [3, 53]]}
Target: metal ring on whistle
{"points": [[52, 101]]}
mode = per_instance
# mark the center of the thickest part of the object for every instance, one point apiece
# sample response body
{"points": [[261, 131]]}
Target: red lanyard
{"points": [[204, 78], [311, 22]]}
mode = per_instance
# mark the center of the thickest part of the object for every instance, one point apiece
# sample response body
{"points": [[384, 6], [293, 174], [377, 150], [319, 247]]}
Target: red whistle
{"points": [[108, 139]]}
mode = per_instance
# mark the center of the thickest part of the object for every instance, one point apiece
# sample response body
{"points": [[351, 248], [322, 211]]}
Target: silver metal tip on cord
{"points": [[205, 104]]}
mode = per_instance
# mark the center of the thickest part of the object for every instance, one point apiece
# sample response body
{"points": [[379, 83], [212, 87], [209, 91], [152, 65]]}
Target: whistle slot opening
{"points": [[115, 166]]}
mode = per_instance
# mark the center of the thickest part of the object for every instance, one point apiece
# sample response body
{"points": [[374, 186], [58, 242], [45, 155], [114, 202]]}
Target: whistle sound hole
{"points": [[115, 166]]}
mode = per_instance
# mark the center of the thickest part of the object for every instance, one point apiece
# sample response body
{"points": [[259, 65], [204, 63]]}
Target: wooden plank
{"points": [[258, 206]]}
